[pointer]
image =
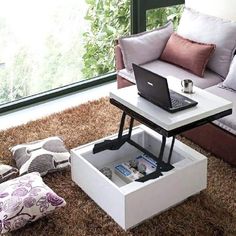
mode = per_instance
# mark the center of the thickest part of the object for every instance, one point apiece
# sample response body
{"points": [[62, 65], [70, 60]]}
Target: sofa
{"points": [[218, 137]]}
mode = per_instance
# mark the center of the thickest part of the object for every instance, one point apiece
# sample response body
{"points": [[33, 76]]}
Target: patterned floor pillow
{"points": [[41, 156], [7, 172], [24, 200]]}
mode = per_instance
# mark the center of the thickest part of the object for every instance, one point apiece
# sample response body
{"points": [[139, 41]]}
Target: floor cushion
{"points": [[42, 156], [24, 200]]}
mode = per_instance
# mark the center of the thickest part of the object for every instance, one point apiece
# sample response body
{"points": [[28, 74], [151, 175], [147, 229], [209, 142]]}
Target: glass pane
{"points": [[51, 43], [108, 20], [158, 17]]}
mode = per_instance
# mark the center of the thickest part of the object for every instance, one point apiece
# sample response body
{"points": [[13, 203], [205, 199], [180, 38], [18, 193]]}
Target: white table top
{"points": [[208, 105]]}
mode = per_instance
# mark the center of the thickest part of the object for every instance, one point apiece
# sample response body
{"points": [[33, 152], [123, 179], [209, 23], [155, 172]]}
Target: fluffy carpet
{"points": [[212, 212]]}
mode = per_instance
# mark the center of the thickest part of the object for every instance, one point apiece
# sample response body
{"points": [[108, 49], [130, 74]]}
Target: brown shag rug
{"points": [[212, 212]]}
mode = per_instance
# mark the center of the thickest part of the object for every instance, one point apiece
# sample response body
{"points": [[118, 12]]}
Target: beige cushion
{"points": [[144, 47], [230, 80]]}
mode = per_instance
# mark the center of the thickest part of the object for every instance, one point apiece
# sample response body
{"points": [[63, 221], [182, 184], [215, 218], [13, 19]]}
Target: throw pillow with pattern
{"points": [[24, 200], [41, 156]]}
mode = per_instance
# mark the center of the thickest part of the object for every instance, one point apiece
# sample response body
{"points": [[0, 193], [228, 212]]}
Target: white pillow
{"points": [[144, 47], [210, 29], [230, 81], [24, 200]]}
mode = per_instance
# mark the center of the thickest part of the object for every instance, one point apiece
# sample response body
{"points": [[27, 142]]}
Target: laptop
{"points": [[154, 88]]}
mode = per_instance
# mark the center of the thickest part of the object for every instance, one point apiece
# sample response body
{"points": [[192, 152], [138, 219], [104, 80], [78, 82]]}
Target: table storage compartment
{"points": [[131, 203]]}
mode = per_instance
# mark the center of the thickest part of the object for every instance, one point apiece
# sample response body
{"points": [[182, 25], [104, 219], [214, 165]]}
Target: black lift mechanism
{"points": [[115, 144], [162, 166]]}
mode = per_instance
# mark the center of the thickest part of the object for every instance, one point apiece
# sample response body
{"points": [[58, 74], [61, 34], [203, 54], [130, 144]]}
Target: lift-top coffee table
{"points": [[180, 173]]}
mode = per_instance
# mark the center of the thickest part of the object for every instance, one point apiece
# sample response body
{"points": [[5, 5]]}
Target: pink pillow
{"points": [[188, 54]]}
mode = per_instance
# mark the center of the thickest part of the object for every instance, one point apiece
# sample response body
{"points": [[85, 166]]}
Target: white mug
{"points": [[187, 85]]}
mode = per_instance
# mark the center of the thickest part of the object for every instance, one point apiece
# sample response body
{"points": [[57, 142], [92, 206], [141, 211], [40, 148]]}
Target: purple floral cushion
{"points": [[24, 200]]}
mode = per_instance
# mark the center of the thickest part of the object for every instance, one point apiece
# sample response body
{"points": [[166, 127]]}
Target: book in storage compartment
{"points": [[135, 169]]}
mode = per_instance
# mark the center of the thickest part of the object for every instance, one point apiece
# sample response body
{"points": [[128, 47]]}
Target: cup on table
{"points": [[187, 85]]}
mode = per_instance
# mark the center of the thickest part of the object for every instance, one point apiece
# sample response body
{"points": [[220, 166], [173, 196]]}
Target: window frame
{"points": [[139, 10]]}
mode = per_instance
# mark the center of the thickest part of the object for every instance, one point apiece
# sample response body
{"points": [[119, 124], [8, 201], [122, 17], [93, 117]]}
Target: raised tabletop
{"points": [[209, 107]]}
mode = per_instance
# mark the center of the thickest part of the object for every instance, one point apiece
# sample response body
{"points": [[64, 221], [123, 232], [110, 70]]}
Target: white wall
{"points": [[221, 8]]}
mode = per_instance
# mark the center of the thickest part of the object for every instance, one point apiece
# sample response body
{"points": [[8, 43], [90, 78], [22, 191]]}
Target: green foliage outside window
{"points": [[158, 17], [110, 19]]}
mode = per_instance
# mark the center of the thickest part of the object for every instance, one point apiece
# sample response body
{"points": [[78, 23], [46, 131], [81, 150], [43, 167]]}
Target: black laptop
{"points": [[154, 88]]}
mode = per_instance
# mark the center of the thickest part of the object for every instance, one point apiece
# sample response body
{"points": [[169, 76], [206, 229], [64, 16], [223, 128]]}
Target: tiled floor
{"points": [[37, 111]]}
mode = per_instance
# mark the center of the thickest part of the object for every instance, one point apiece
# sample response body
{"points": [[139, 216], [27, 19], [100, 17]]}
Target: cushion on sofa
{"points": [[7, 172], [166, 69], [228, 122], [43, 156], [209, 29], [188, 54], [230, 80], [144, 47], [24, 200]]}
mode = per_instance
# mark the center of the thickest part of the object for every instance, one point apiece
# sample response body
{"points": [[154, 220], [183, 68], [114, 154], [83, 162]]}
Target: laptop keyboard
{"points": [[176, 103]]}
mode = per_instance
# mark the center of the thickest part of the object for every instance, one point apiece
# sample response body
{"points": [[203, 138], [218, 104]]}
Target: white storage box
{"points": [[130, 204]]}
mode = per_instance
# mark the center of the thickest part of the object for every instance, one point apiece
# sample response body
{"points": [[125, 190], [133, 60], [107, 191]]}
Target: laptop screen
{"points": [[152, 86]]}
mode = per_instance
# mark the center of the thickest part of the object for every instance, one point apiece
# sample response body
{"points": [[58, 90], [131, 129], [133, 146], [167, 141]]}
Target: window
{"points": [[49, 48], [159, 17], [49, 44]]}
